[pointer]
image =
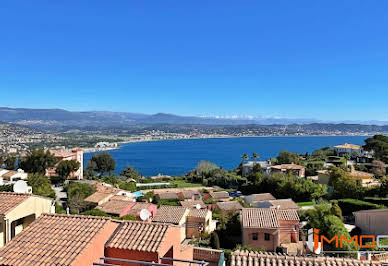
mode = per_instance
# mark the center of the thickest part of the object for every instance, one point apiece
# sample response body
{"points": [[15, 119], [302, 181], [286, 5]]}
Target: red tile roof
{"points": [[275, 259], [266, 218], [198, 213], [10, 200], [98, 196], [139, 236], [52, 240], [229, 206], [170, 214], [219, 195], [290, 166], [115, 206], [262, 196], [189, 204]]}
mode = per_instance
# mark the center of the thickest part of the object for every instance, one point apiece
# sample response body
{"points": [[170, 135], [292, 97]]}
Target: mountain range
{"points": [[52, 118]]}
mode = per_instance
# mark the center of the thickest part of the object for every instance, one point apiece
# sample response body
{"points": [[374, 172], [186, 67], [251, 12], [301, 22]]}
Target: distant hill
{"points": [[59, 119]]}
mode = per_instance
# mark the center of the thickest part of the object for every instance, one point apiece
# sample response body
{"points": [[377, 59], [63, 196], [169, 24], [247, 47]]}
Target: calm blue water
{"points": [[176, 157]]}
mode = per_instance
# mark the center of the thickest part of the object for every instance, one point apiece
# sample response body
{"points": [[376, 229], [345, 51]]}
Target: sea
{"points": [[177, 157]]}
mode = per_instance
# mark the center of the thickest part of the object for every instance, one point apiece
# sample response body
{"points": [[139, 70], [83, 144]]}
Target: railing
{"points": [[104, 261]]}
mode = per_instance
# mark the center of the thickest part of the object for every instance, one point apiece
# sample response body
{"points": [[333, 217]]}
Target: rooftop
{"points": [[229, 206], [262, 196], [52, 239], [139, 236], [189, 204], [10, 200], [167, 195], [114, 206], [219, 195], [98, 196], [170, 214], [290, 166], [266, 218], [198, 213], [283, 203], [275, 259], [348, 146]]}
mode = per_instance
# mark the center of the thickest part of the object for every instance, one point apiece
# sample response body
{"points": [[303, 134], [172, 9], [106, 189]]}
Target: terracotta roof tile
{"points": [[266, 218], [139, 236], [167, 195], [198, 213], [9, 200], [290, 166], [52, 239], [262, 196], [219, 195], [115, 206], [229, 206], [170, 214], [275, 259], [189, 204], [279, 203], [348, 146], [98, 196]]}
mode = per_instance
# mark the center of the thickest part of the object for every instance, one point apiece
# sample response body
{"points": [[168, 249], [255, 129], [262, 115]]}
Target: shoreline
{"points": [[94, 150]]}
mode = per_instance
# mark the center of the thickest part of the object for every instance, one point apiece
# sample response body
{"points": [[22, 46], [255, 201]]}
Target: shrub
{"points": [[348, 206]]}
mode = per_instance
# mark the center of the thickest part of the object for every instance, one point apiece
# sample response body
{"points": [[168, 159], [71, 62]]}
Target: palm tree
{"points": [[255, 156], [245, 157]]}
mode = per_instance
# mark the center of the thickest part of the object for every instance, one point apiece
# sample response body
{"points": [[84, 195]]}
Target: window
{"points": [[267, 237], [255, 236]]}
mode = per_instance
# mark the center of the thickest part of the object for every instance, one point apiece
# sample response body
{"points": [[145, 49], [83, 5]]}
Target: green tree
{"points": [[336, 210], [204, 167], [130, 172], [76, 193], [286, 157], [10, 162], [378, 168], [40, 185], [214, 240], [102, 163], [344, 186], [245, 157], [255, 156], [378, 144], [66, 167], [323, 219], [37, 161]]}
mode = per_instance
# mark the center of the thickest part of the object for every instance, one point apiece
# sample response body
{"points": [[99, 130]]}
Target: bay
{"points": [[176, 157]]}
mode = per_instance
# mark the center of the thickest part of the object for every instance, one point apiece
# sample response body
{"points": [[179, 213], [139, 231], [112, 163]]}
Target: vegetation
{"points": [[37, 161], [286, 157], [76, 193], [66, 167], [325, 218], [344, 186], [102, 163], [40, 185], [130, 172], [10, 162], [352, 205], [6, 188], [378, 144]]}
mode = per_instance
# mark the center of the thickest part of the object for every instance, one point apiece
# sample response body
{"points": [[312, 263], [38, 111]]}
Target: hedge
{"points": [[348, 206], [377, 200]]}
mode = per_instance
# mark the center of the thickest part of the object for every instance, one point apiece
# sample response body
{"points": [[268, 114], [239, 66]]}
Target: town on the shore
{"points": [[328, 207]]}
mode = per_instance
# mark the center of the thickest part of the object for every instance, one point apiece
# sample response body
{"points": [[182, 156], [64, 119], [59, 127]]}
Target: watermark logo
{"points": [[316, 241]]}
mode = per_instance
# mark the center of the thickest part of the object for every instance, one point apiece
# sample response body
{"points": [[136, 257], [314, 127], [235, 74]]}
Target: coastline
{"points": [[93, 150]]}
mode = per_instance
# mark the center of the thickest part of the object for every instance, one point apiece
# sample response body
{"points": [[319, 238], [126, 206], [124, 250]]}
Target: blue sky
{"points": [[300, 59]]}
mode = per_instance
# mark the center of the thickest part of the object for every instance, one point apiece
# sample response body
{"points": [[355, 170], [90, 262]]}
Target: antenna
{"points": [[20, 187], [144, 214], [198, 206]]}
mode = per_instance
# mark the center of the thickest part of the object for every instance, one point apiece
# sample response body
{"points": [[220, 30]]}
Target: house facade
{"points": [[294, 169], [269, 228], [19, 210], [74, 154]]}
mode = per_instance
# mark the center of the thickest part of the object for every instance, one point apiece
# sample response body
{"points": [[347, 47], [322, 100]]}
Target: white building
{"points": [[11, 176]]}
